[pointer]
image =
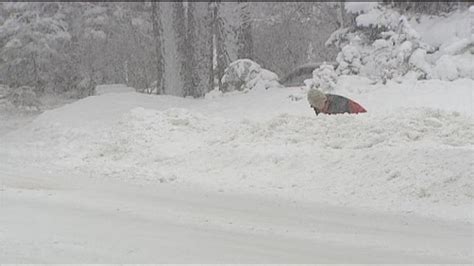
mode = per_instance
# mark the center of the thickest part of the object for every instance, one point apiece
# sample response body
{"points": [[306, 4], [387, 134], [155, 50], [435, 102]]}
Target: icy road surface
{"points": [[80, 219]]}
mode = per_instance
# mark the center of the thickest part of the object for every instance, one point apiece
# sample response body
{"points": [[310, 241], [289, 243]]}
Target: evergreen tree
{"points": [[33, 37]]}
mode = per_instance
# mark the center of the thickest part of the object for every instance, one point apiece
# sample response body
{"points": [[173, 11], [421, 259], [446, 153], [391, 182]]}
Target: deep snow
{"points": [[412, 151]]}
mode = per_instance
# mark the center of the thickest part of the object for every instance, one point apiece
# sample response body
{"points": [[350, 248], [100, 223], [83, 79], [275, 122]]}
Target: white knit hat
{"points": [[316, 98]]}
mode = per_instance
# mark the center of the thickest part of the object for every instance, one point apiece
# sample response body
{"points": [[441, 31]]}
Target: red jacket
{"points": [[336, 104]]}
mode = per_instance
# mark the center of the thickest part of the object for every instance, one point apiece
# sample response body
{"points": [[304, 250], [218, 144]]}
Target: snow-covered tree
{"points": [[380, 43], [33, 37]]}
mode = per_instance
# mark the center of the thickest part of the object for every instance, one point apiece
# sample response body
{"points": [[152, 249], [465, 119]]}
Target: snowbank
{"points": [[407, 154]]}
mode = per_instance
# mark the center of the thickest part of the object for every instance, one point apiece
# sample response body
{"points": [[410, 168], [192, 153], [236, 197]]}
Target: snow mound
{"points": [[245, 74], [405, 155], [415, 157]]}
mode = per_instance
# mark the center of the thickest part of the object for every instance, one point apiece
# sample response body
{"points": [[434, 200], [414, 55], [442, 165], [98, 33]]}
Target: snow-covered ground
{"points": [[410, 156], [412, 152], [48, 218]]}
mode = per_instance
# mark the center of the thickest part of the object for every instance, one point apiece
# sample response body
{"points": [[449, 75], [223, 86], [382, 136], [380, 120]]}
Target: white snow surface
{"points": [[411, 153], [444, 30]]}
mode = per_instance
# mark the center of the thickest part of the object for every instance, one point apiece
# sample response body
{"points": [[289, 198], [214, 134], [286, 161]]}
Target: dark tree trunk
{"points": [[245, 39], [191, 79], [341, 14], [157, 34], [222, 56], [211, 29], [199, 39], [180, 31]]}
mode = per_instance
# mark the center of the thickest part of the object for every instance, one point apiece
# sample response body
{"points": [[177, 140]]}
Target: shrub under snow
{"points": [[349, 60], [324, 78], [384, 45], [245, 74]]}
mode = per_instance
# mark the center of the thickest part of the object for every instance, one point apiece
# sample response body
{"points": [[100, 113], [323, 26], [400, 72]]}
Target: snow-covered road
{"points": [[80, 219]]}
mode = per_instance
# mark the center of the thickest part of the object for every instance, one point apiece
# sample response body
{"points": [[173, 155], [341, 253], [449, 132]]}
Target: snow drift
{"points": [[393, 158]]}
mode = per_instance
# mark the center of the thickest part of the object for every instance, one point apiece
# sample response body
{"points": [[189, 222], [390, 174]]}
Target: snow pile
{"points": [[244, 74], [393, 158]]}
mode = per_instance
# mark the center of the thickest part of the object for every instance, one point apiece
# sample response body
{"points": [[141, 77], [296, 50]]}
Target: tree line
{"points": [[178, 48]]}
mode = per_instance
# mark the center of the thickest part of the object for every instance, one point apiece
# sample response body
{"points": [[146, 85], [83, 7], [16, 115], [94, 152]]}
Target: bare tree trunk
{"points": [[35, 72], [157, 33], [200, 40], [222, 56], [125, 71], [180, 32], [211, 42], [245, 31], [341, 14], [190, 83]]}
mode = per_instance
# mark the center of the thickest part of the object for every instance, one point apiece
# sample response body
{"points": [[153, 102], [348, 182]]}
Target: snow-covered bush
{"points": [[32, 43], [454, 60], [451, 67], [324, 78], [418, 65], [245, 74], [382, 45], [349, 60]]}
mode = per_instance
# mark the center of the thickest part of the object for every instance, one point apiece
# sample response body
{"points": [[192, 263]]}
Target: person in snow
{"points": [[332, 104]]}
